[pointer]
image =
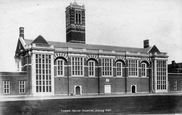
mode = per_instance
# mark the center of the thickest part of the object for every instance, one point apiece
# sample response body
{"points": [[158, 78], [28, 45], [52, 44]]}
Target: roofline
{"points": [[13, 72], [97, 47], [86, 44], [22, 41], [150, 49], [174, 73]]}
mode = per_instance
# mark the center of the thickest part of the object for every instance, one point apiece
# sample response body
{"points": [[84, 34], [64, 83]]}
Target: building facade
{"points": [[175, 76], [175, 67], [76, 68]]}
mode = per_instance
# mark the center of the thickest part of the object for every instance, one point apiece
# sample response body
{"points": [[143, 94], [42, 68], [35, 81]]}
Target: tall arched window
{"points": [[119, 68], [79, 18], [91, 68], [60, 67], [76, 18], [144, 70]]}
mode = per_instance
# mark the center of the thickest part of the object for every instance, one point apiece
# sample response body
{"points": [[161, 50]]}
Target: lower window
{"points": [[6, 87], [21, 86]]}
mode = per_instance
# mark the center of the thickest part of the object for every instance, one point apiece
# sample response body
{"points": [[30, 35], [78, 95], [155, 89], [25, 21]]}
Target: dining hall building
{"points": [[77, 68]]}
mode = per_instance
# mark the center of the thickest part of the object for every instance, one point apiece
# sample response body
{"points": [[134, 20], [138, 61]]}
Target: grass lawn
{"points": [[110, 105]]}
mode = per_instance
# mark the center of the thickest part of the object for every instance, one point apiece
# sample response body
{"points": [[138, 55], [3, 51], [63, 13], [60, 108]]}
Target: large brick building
{"points": [[77, 68]]}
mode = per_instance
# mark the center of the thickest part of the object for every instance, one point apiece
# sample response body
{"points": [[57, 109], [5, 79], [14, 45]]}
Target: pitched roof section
{"points": [[154, 49], [94, 47], [40, 40], [28, 41], [19, 48]]}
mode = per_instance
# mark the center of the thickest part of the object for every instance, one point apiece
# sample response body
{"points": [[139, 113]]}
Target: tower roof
{"points": [[75, 3]]}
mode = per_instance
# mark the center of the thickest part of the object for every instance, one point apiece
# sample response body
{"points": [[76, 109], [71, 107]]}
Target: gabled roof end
{"points": [[40, 40], [153, 49]]}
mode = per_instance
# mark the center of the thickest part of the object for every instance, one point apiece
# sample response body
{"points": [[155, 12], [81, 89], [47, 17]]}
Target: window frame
{"points": [[90, 67], [161, 77], [78, 17], [80, 66], [145, 69], [21, 86], [110, 67], [134, 73], [121, 69], [58, 68], [6, 87], [43, 73]]}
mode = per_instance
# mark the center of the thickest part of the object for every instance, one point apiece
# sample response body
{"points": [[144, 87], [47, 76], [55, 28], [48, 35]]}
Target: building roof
{"points": [[175, 67], [75, 3], [13, 74], [40, 40], [94, 47]]}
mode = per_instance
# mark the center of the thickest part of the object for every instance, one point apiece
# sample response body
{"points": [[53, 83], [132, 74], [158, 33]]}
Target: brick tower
{"points": [[75, 23]]}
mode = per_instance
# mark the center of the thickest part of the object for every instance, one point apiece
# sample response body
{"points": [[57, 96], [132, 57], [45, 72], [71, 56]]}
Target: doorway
{"points": [[133, 89], [107, 88], [77, 90]]}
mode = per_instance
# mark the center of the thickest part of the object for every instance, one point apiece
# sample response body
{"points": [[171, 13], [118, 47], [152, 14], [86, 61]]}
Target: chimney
{"points": [[21, 32], [146, 43], [173, 62]]}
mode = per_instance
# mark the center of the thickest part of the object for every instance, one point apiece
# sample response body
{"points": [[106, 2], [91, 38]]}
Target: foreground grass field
{"points": [[111, 105]]}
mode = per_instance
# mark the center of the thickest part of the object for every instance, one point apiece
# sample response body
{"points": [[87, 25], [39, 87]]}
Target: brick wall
{"points": [[14, 78]]}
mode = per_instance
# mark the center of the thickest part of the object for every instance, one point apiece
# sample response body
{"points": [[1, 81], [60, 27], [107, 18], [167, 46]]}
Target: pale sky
{"points": [[108, 22]]}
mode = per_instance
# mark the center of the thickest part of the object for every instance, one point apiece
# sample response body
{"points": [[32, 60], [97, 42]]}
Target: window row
{"points": [[6, 87], [77, 67]]}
